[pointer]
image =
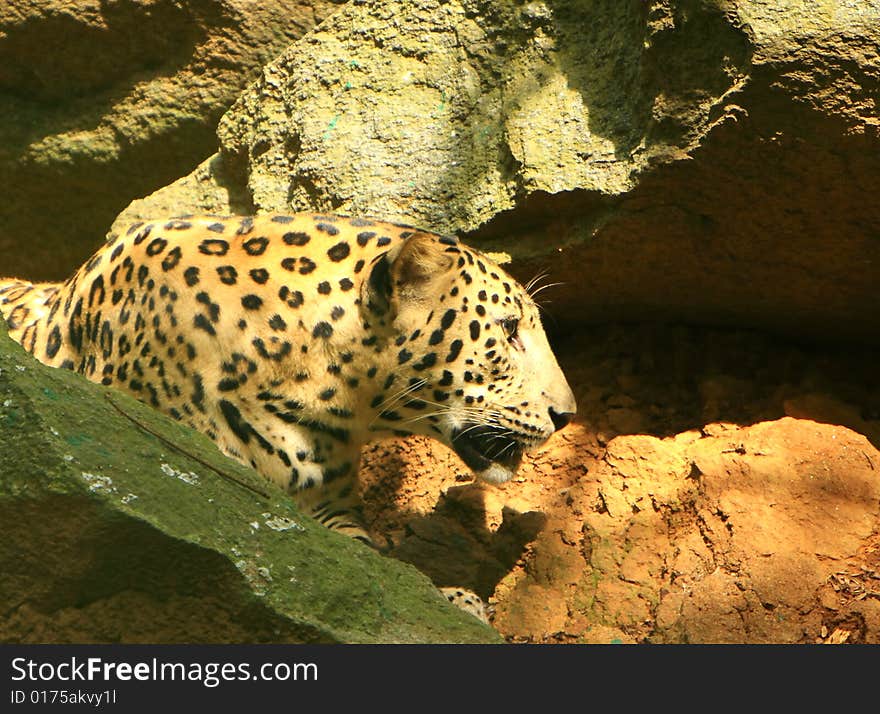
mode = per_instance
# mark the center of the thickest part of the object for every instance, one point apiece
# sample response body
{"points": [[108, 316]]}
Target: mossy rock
{"points": [[120, 525]]}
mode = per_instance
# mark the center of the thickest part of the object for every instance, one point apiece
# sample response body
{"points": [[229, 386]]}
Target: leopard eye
{"points": [[510, 325]]}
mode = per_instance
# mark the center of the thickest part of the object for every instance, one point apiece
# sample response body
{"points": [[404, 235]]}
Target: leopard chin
{"points": [[496, 474]]}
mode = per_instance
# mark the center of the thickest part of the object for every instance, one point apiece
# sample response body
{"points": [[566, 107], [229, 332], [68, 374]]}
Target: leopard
{"points": [[293, 340]]}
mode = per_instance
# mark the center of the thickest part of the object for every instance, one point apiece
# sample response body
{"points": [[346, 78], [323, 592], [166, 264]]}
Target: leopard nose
{"points": [[560, 420]]}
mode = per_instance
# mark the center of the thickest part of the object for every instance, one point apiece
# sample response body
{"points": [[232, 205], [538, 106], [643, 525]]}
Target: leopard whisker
{"points": [[397, 396], [510, 444], [456, 411], [544, 287], [401, 393], [534, 281]]}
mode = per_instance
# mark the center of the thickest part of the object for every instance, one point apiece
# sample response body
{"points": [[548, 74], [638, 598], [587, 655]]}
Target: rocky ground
{"points": [[715, 487]]}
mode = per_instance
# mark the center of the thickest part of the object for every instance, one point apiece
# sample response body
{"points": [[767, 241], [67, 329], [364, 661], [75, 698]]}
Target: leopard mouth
{"points": [[492, 454]]}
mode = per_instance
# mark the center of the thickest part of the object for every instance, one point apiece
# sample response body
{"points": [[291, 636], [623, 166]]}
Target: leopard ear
{"points": [[415, 263], [405, 272]]}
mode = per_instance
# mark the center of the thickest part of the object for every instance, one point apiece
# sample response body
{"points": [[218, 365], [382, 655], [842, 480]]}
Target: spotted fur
{"points": [[293, 340]]}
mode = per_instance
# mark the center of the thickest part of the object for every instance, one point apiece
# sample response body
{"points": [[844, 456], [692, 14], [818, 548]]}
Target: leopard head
{"points": [[472, 363]]}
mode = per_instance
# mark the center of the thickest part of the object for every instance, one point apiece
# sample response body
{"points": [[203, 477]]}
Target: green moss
{"points": [[102, 497]]}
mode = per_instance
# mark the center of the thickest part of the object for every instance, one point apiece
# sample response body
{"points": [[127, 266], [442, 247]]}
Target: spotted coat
{"points": [[293, 340]]}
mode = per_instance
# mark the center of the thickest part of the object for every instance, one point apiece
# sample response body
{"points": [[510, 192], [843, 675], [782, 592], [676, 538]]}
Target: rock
{"points": [[119, 525], [669, 162], [126, 100], [663, 160]]}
